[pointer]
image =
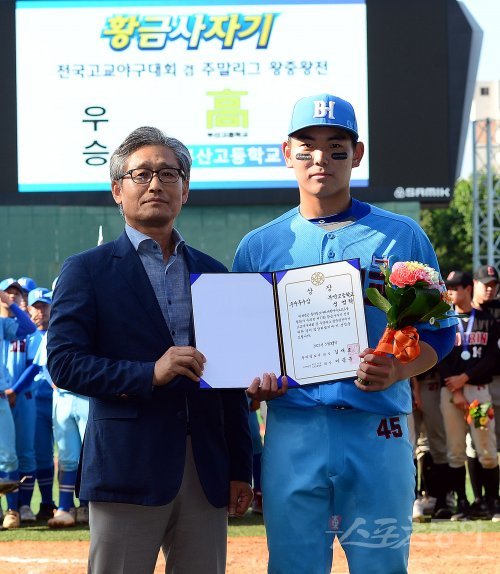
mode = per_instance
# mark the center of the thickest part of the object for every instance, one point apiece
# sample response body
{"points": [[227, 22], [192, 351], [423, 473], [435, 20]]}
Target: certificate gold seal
{"points": [[317, 278]]}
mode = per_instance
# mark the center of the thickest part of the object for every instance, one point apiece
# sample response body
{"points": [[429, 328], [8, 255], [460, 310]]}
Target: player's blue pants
{"points": [[70, 416], [8, 456], [341, 473], [44, 435], [24, 414]]}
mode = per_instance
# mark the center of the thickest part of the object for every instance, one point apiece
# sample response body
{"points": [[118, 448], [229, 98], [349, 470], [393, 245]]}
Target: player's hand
{"points": [[415, 390], [377, 372], [185, 361], [266, 389], [240, 497], [4, 298], [456, 382], [11, 397], [460, 401]]}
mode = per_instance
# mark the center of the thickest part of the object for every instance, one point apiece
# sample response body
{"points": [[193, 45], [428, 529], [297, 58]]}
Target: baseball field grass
{"points": [[250, 525]]}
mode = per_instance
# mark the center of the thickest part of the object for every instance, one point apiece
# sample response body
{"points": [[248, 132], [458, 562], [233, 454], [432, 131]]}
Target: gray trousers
{"points": [[126, 538]]}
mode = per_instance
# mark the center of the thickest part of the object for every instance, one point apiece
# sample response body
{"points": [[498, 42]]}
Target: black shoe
{"points": [[46, 511], [479, 510], [494, 509], [462, 512], [443, 513]]}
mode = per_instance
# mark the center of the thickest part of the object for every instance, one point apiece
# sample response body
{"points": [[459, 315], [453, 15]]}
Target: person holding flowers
{"points": [[465, 374], [486, 297], [337, 458]]}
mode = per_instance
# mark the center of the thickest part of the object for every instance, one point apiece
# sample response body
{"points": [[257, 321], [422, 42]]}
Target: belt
{"points": [[340, 407]]}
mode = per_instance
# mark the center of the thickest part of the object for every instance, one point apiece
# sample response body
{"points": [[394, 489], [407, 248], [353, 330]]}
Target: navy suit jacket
{"points": [[105, 334]]}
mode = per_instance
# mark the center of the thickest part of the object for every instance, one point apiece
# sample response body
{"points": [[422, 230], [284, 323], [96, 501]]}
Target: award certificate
{"points": [[306, 323]]}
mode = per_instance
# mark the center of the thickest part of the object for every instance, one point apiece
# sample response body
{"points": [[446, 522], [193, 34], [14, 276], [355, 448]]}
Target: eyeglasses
{"points": [[144, 175]]}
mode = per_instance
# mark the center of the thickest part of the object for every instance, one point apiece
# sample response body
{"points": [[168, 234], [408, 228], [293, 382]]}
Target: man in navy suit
{"points": [[163, 462]]}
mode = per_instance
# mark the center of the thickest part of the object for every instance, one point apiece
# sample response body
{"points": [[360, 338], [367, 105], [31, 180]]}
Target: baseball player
{"points": [[485, 297], [435, 463], [36, 377], [337, 459], [69, 418], [11, 328], [257, 456], [27, 284], [18, 355], [466, 373]]}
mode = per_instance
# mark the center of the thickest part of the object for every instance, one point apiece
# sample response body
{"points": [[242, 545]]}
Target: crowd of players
{"points": [[34, 413], [446, 445]]}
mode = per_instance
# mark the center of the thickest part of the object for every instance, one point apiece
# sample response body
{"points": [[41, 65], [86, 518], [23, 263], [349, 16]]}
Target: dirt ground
{"points": [[439, 553]]}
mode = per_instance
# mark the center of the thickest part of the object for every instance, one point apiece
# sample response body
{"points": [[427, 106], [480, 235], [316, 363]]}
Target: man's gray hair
{"points": [[145, 136]]}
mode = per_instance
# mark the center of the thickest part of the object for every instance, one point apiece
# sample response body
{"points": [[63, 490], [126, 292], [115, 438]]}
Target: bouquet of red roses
{"points": [[414, 294], [480, 414]]}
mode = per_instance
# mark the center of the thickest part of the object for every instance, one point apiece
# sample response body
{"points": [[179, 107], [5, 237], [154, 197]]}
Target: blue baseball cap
{"points": [[39, 295], [10, 282], [27, 283], [323, 110]]}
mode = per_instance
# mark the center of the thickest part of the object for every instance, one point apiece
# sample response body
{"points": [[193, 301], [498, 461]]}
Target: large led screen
{"points": [[221, 76]]}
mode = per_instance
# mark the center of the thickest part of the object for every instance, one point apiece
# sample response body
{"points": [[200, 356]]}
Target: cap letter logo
{"points": [[321, 110]]}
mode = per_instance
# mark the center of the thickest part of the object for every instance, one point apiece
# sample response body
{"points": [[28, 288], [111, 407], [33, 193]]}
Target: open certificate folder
{"points": [[307, 323]]}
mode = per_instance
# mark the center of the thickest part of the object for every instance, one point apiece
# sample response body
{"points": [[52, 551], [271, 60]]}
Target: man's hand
{"points": [[456, 382], [377, 372], [185, 361], [267, 388], [240, 497], [11, 397]]}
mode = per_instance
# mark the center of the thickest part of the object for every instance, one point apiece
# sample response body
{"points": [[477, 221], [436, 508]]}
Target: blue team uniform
{"points": [[8, 456], [324, 442], [19, 355], [11, 329]]}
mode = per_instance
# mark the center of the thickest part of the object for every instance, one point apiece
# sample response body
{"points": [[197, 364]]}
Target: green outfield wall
{"points": [[35, 240]]}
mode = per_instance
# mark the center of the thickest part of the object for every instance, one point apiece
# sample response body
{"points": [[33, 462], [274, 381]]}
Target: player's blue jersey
{"points": [[20, 353], [8, 330], [375, 237], [42, 379]]}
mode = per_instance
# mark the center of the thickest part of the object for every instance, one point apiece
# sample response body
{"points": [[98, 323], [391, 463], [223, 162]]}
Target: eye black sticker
{"points": [[339, 155], [303, 156]]}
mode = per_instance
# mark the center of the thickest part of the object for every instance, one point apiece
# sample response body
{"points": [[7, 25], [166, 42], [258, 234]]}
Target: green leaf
{"points": [[437, 312], [415, 304], [377, 299], [392, 316], [393, 295]]}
